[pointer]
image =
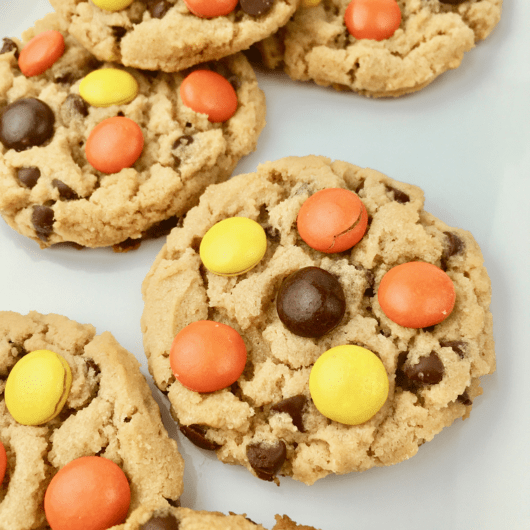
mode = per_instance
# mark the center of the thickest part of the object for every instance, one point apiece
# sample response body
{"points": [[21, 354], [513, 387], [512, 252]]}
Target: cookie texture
{"points": [[110, 412], [177, 38], [266, 421], [50, 193], [432, 38]]}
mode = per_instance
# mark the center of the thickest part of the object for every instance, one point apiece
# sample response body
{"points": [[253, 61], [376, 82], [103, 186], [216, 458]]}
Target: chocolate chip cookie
{"points": [[108, 413], [99, 155], [292, 411], [179, 34], [432, 37]]}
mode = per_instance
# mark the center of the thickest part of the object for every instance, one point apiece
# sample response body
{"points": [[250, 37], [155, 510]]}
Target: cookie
{"points": [[177, 37], [109, 416], [158, 517], [431, 37], [269, 419], [104, 169]]}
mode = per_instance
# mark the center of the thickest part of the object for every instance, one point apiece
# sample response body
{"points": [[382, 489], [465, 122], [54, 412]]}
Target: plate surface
{"points": [[465, 139]]}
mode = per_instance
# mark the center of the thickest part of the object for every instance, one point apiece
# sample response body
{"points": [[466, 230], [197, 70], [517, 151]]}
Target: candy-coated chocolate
{"points": [[372, 19], [114, 144], [37, 387], [88, 493], [209, 93], [332, 220], [41, 52], [108, 86], [233, 246], [206, 356], [3, 462], [348, 384], [416, 294], [112, 5], [211, 8]]}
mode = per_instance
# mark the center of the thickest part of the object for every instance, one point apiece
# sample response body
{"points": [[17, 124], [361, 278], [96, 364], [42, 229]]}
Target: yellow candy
{"points": [[348, 384], [233, 246], [108, 86], [37, 387], [112, 5]]}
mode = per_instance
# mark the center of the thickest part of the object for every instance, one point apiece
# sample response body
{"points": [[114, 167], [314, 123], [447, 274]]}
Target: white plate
{"points": [[465, 139]]}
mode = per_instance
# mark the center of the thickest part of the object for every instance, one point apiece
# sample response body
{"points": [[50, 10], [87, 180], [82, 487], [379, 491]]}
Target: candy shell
{"points": [[112, 5], [3, 462], [41, 52], [108, 86], [372, 19], [211, 8]]}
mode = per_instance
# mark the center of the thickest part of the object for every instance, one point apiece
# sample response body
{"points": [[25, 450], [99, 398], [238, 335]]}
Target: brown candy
{"points": [[428, 371], [167, 522], [158, 8], [310, 302], [28, 176], [256, 8], [42, 219], [294, 407], [26, 123], [197, 435], [266, 459]]}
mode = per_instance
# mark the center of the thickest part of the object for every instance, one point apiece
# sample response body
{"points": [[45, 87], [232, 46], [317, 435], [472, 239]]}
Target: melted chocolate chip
{"points": [[459, 346], [182, 141], [74, 104], [9, 46], [118, 32], [294, 407], [160, 229], [465, 399], [26, 123], [453, 245], [168, 522], [28, 176], [266, 459], [175, 503], [197, 435], [158, 8], [310, 302], [91, 364], [452, 2], [65, 191], [256, 7], [399, 196], [428, 371], [370, 278], [127, 245], [42, 219]]}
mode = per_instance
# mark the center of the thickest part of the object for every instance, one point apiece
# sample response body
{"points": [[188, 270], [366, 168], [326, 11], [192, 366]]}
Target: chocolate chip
{"points": [[256, 7], [65, 191], [42, 219], [26, 123], [173, 502], [266, 459], [294, 407], [158, 8], [74, 104], [452, 2], [310, 302], [160, 229], [9, 46], [183, 140], [118, 32], [127, 245], [399, 196], [370, 278], [197, 435], [168, 522], [465, 399], [453, 245], [428, 370], [459, 346], [28, 176], [91, 364]]}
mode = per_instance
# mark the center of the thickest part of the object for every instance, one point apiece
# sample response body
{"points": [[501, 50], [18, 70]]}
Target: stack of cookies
{"points": [[307, 319]]}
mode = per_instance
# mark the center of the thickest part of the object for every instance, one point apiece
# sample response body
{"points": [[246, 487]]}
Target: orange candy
{"points": [[41, 52], [209, 93], [3, 462], [206, 356], [332, 220], [416, 294], [372, 19], [89, 493], [211, 8], [114, 144]]}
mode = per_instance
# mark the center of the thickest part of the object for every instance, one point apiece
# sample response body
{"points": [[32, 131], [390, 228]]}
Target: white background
{"points": [[465, 139]]}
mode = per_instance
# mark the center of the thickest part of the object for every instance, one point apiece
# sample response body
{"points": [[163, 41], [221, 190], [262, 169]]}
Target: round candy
{"points": [[256, 8], [26, 123], [332, 220], [416, 294], [372, 19], [41, 52], [108, 86], [348, 384], [233, 246], [3, 462], [206, 356], [211, 8], [310, 302], [209, 93], [114, 144], [37, 387], [112, 5], [89, 493]]}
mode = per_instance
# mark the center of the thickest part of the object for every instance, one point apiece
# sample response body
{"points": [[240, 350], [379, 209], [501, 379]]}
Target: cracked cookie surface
{"points": [[432, 38], [110, 412], [268, 413], [65, 199], [177, 38]]}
